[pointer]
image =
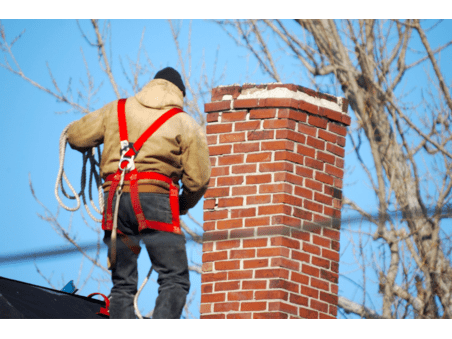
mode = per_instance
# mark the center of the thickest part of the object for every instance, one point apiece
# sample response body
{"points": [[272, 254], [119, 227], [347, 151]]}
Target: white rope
{"points": [[93, 173], [135, 299]]}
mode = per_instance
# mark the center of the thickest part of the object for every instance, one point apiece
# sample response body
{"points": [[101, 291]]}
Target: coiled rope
{"points": [[93, 174]]}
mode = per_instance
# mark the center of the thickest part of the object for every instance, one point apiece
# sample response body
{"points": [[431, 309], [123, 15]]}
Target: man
{"points": [[178, 151]]}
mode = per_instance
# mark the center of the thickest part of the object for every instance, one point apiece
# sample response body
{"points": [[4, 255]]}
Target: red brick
{"points": [[212, 139], [278, 102], [246, 147], [269, 315], [216, 192], [329, 298], [217, 106], [338, 129], [321, 241], [286, 263], [280, 306], [327, 179], [299, 278], [262, 114], [260, 135], [312, 163], [207, 246], [322, 307], [326, 157], [222, 149], [230, 181], [230, 159], [253, 306], [298, 299], [209, 204], [238, 315], [243, 212], [324, 199], [215, 235], [232, 137], [335, 246], [274, 209], [303, 192], [286, 242], [254, 284], [245, 103], [219, 171], [283, 295], [258, 179], [259, 157], [308, 151], [212, 316], [258, 199], [289, 156], [332, 255], [312, 206], [227, 265], [335, 149], [301, 256], [205, 308], [335, 267], [214, 297], [332, 115], [239, 275], [229, 224], [238, 169], [242, 233], [320, 284], [272, 273], [325, 316], [292, 114], [262, 242], [299, 213], [233, 116], [241, 295], [291, 135], [340, 162], [227, 286], [261, 221], [286, 199], [274, 188], [218, 128], [275, 167], [301, 235], [308, 269], [289, 177], [247, 126], [255, 263], [212, 117], [226, 307], [337, 172], [226, 245], [277, 145], [305, 129], [228, 202], [304, 172], [273, 252], [327, 136], [317, 121], [307, 247], [206, 288], [215, 215], [286, 220], [279, 124], [244, 190], [308, 314], [310, 292], [240, 254], [214, 256], [330, 276]]}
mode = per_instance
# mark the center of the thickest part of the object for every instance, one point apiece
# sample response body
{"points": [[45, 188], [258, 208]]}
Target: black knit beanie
{"points": [[172, 76]]}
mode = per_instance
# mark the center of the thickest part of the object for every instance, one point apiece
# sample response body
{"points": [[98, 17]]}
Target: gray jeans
{"points": [[166, 251]]}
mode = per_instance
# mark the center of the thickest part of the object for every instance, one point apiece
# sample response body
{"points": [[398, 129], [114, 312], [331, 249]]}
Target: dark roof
{"points": [[19, 300]]}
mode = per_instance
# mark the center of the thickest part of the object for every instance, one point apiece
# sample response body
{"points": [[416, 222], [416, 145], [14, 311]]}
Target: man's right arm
{"points": [[89, 131]]}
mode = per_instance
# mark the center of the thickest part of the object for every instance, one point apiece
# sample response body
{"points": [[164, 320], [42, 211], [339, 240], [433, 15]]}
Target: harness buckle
{"points": [[125, 147]]}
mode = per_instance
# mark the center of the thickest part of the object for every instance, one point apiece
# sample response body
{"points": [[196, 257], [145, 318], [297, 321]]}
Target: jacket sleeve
{"points": [[196, 169], [87, 132]]}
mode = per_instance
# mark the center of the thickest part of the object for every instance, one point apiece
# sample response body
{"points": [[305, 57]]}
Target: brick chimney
{"points": [[273, 207]]}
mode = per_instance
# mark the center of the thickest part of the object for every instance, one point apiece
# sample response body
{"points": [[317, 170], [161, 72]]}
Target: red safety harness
{"points": [[126, 164]]}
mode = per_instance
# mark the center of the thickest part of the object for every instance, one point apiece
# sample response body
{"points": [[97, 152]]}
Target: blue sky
{"points": [[30, 129]]}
